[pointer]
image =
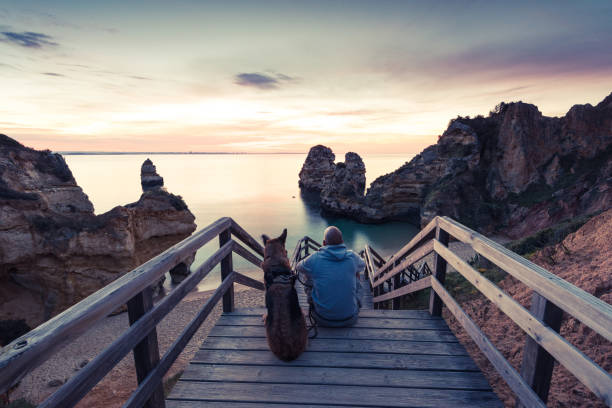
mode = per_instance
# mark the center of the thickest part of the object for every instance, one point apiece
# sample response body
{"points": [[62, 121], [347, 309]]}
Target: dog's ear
{"points": [[283, 236], [265, 238]]}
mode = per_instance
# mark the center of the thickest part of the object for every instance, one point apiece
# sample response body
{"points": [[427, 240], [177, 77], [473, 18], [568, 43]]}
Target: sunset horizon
{"points": [[272, 77]]}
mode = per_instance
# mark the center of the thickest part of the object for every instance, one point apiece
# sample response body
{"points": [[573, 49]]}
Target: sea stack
{"points": [[149, 179], [318, 169]]}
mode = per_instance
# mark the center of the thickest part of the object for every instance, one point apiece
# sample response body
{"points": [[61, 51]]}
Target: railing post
{"points": [[226, 268], [146, 353], [538, 364], [395, 304], [435, 303]]}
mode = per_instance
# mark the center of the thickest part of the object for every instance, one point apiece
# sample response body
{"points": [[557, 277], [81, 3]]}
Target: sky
{"points": [[281, 76]]}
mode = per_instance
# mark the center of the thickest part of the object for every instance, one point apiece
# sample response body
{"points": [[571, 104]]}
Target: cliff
{"points": [[55, 247], [514, 171]]}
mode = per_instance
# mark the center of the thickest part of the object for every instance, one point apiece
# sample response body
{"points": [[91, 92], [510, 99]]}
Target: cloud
{"points": [[55, 74], [262, 81], [28, 39]]}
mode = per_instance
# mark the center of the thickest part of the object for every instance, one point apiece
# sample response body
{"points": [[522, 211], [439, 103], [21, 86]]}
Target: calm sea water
{"points": [[259, 191]]}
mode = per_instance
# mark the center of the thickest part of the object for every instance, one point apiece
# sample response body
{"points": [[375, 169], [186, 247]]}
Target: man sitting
{"points": [[332, 281]]}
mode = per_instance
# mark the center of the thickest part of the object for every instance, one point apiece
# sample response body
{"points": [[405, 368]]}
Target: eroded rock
{"points": [[53, 244], [514, 171]]}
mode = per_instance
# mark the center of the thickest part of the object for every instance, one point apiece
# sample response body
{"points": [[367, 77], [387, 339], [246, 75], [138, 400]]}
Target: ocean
{"points": [[259, 191]]}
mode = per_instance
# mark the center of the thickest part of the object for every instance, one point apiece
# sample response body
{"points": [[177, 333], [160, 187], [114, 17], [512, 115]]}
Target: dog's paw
{"points": [[264, 317]]}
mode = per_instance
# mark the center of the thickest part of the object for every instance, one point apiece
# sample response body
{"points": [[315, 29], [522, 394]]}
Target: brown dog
{"points": [[285, 323]]}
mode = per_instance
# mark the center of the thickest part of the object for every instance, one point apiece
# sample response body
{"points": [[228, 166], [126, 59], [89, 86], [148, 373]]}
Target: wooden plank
{"points": [[83, 381], [439, 272], [415, 256], [387, 314], [522, 390], [310, 240], [423, 235], [337, 376], [339, 359], [30, 350], [345, 333], [246, 281], [154, 380], [538, 364], [342, 345], [229, 404], [589, 373], [405, 290], [245, 237], [363, 322], [590, 310], [246, 254], [146, 353], [227, 267], [372, 269], [326, 394]]}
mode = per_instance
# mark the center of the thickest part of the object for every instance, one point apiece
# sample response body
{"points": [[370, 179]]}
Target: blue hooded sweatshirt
{"points": [[332, 270]]}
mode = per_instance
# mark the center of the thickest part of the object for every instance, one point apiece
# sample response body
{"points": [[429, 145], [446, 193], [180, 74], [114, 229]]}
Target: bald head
{"points": [[332, 236]]}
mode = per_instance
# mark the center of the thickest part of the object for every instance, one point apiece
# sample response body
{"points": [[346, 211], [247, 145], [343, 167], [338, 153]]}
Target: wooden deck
{"points": [[392, 358]]}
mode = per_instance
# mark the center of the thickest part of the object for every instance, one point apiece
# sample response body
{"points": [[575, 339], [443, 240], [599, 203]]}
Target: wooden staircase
{"points": [[390, 357]]}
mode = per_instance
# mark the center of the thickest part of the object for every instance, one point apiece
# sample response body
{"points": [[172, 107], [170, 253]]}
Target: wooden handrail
{"points": [[414, 257], [30, 350], [405, 290], [424, 235], [589, 373], [25, 353], [590, 310], [503, 367]]}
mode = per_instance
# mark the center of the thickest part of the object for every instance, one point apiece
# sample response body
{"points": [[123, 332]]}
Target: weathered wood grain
{"points": [[325, 394], [338, 359], [77, 386], [230, 319], [338, 376], [589, 373], [414, 256], [246, 281], [405, 290], [146, 353], [439, 272], [245, 237], [538, 364], [522, 390], [246, 254], [343, 345], [154, 379], [227, 267], [345, 333], [590, 310], [386, 314], [425, 234], [42, 341]]}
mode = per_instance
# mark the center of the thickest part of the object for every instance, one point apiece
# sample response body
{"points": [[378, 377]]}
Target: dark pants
{"points": [[323, 322]]}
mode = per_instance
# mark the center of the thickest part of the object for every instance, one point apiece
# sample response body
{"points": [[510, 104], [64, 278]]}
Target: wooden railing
{"points": [[303, 248], [552, 295], [24, 354]]}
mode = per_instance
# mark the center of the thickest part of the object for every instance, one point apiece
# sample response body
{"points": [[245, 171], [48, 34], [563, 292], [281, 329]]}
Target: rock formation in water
{"points": [[149, 179], [514, 171], [318, 169], [53, 244]]}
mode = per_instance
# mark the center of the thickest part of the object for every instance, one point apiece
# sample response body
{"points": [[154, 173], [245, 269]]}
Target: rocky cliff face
{"points": [[514, 171], [53, 244], [340, 185]]}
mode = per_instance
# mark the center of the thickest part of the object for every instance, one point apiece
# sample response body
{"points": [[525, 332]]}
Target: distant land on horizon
{"points": [[78, 153]]}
